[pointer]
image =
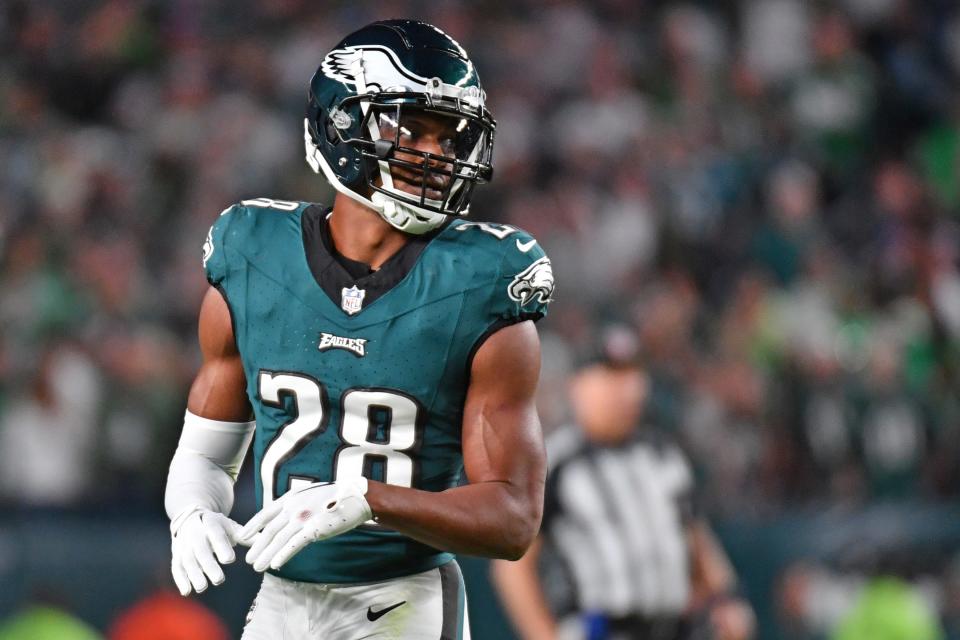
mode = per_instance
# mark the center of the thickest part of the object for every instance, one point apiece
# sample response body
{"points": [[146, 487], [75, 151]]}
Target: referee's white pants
{"points": [[424, 606]]}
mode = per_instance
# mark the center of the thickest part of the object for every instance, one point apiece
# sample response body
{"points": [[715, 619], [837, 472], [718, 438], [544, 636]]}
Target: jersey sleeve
{"points": [[525, 286], [214, 249]]}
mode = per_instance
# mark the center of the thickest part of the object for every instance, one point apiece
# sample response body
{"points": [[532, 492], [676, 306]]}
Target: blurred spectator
{"points": [[164, 615], [48, 436], [833, 101], [776, 38], [42, 622], [888, 609], [813, 599], [870, 591], [783, 243]]}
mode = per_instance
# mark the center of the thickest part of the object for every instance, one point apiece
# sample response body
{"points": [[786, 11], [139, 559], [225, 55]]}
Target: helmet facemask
{"points": [[384, 138], [444, 181]]}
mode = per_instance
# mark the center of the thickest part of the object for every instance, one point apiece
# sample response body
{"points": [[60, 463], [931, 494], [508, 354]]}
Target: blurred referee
{"points": [[621, 555]]}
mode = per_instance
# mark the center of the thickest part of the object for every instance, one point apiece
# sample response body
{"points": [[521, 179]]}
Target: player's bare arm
{"points": [[498, 513], [521, 594], [219, 390], [713, 581]]}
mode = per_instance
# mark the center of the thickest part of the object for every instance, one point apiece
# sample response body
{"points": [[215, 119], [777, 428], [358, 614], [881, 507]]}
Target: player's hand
{"points": [[202, 541], [315, 512], [732, 619]]}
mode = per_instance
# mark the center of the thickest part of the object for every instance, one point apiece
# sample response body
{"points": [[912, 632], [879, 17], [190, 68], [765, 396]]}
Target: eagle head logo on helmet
{"points": [[366, 85]]}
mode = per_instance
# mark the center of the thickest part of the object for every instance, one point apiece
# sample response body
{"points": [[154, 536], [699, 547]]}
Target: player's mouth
{"points": [[408, 183]]}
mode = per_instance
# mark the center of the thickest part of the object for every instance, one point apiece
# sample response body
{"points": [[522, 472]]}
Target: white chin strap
{"points": [[406, 217], [401, 215]]}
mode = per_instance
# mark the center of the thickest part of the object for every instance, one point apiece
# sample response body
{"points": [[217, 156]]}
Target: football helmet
{"points": [[366, 101]]}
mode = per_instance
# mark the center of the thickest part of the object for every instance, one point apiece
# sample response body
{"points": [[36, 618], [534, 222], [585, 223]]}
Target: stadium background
{"points": [[765, 191]]}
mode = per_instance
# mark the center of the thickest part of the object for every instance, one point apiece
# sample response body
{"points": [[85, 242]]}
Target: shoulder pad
{"points": [[214, 252], [255, 204], [528, 273], [523, 285], [235, 222]]}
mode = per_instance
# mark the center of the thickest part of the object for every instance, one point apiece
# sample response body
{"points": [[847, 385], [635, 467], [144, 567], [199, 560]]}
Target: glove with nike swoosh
{"points": [[316, 512]]}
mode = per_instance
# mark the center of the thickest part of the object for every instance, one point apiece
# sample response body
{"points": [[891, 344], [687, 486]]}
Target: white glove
{"points": [[315, 512], [202, 541]]}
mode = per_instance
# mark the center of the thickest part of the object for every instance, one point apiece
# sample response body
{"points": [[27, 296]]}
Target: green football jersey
{"points": [[353, 373]]}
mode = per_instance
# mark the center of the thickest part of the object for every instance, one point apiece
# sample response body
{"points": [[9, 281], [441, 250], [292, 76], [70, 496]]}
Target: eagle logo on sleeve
{"points": [[536, 281], [208, 247]]}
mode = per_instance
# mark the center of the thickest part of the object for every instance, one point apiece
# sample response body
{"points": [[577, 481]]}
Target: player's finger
{"points": [[180, 578], [257, 522], [279, 540], [264, 539], [209, 564], [232, 529], [293, 546], [221, 542], [197, 580]]}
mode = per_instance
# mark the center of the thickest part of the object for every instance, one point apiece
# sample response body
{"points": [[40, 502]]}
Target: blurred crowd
{"points": [[765, 191]]}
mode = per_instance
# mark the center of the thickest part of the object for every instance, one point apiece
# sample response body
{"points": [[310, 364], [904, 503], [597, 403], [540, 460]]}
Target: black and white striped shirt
{"points": [[614, 526]]}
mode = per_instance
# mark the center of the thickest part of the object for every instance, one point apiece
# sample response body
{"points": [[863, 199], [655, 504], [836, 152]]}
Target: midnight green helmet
{"points": [[364, 104]]}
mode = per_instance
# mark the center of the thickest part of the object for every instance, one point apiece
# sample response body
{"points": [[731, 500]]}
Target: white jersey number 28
{"points": [[375, 425]]}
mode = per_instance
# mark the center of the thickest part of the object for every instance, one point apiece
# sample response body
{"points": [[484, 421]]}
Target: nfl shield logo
{"points": [[352, 299]]}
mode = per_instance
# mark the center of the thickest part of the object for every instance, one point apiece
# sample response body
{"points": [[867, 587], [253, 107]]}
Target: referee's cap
{"points": [[618, 346]]}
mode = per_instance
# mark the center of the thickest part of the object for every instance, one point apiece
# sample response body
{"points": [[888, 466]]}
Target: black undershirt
{"points": [[333, 271]]}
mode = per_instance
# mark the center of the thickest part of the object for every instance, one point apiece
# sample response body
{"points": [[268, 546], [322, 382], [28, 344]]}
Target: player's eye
{"points": [[448, 146], [408, 135]]}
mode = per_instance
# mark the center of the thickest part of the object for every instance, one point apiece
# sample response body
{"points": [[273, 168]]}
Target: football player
{"points": [[381, 356]]}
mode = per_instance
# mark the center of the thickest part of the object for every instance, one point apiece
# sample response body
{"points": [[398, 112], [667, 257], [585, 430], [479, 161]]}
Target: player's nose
{"points": [[430, 144]]}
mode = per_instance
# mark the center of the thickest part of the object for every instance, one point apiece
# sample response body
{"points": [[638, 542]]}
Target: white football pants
{"points": [[424, 606]]}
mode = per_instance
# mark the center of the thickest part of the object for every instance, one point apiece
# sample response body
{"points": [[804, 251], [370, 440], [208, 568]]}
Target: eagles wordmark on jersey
{"points": [[367, 375]]}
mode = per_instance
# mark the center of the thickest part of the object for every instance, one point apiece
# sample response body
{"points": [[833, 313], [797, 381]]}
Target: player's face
{"points": [[438, 134]]}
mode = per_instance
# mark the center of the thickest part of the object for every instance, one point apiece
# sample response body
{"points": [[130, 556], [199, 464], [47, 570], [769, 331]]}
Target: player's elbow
{"points": [[517, 547], [522, 533], [514, 552]]}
